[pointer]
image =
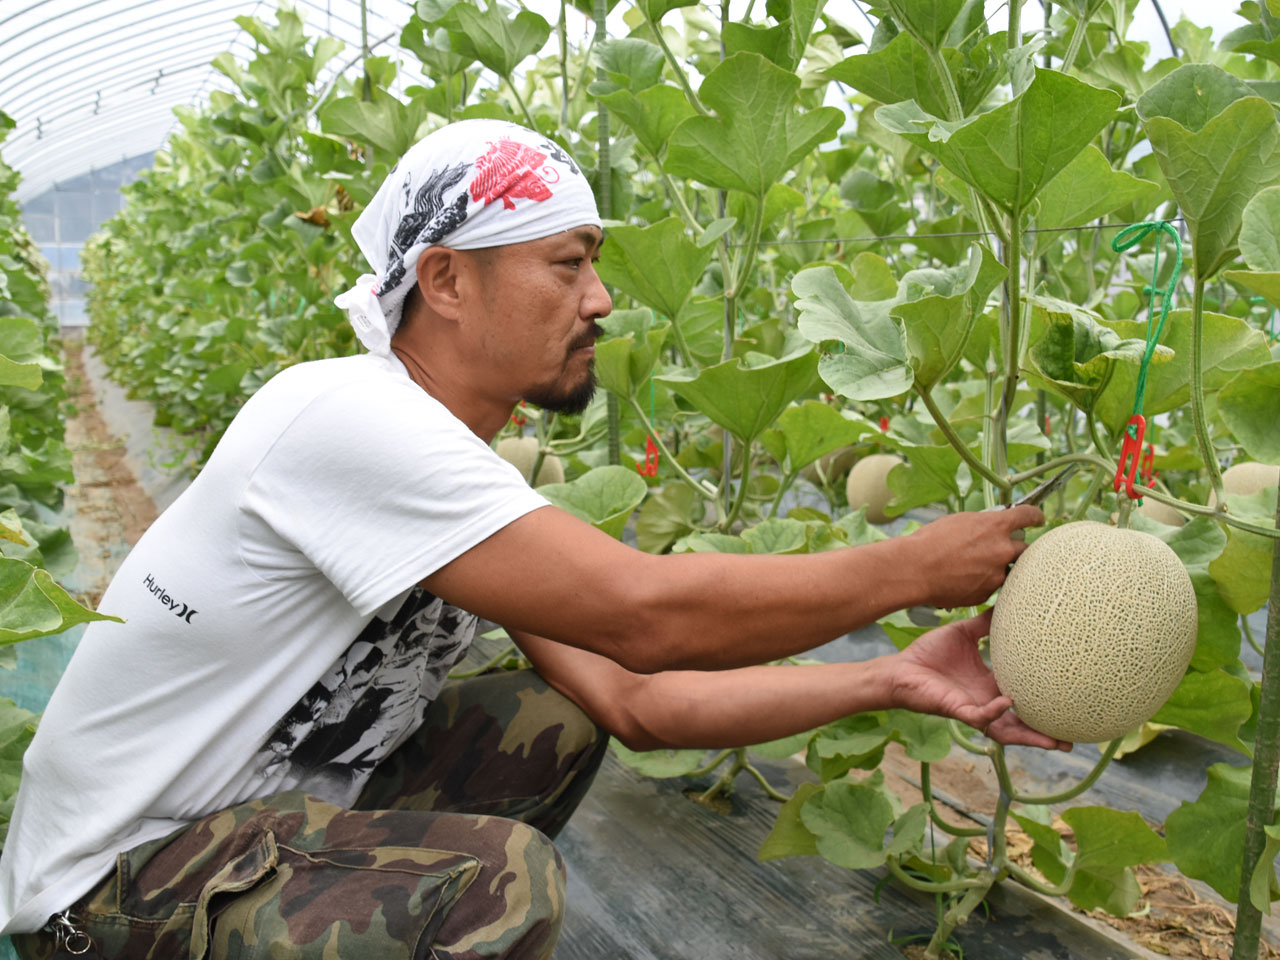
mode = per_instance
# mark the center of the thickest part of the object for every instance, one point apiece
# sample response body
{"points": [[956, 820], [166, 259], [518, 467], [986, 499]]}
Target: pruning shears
{"points": [[1039, 494]]}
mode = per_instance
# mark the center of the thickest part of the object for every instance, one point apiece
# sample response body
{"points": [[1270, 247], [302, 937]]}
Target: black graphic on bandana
{"points": [[556, 153], [428, 222], [370, 700]]}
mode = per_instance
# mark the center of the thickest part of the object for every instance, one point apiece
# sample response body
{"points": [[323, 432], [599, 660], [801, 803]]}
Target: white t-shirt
{"points": [[274, 638]]}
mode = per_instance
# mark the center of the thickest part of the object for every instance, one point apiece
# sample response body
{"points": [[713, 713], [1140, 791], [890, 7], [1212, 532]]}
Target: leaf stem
{"points": [[1248, 634], [742, 487], [675, 464], [768, 788], [926, 790], [958, 914], [960, 737], [932, 886], [710, 765], [976, 465], [1197, 392], [675, 64], [1002, 772]]}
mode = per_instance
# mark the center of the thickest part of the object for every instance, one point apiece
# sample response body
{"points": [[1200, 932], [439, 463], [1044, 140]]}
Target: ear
{"points": [[438, 275]]}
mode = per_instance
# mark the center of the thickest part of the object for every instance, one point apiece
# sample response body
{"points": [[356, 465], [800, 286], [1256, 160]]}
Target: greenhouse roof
{"points": [[91, 82]]}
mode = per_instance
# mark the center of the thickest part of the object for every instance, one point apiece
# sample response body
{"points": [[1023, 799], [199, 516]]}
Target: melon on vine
{"points": [[522, 452], [1092, 631], [1246, 478], [868, 485]]}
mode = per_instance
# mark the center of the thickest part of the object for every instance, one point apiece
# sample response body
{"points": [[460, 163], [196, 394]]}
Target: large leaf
{"points": [[1206, 836], [500, 43], [625, 360], [746, 399], [1229, 345], [1013, 151], [758, 133], [814, 428], [1073, 353], [900, 70], [660, 764], [1250, 406], [604, 497], [930, 20], [1260, 246], [938, 308], [658, 265], [1243, 571], [33, 605], [1108, 843], [1086, 189], [849, 820], [17, 727], [1217, 144], [651, 114], [874, 363], [789, 836], [1213, 704], [384, 122]]}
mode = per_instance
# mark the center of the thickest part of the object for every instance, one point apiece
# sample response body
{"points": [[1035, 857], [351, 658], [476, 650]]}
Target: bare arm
{"points": [[552, 575], [940, 673]]}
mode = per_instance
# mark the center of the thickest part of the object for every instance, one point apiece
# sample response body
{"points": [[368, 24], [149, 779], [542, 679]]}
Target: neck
{"points": [[483, 415]]}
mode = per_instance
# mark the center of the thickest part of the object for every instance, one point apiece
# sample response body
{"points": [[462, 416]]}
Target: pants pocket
{"points": [[376, 903], [247, 871]]}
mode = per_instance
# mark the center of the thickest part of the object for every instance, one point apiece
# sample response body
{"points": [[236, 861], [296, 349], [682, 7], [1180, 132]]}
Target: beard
{"points": [[572, 399]]}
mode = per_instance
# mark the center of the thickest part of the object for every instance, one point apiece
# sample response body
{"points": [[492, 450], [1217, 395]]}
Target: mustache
{"points": [[590, 337]]}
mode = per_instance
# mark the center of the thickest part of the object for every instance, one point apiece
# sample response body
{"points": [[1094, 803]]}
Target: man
{"points": [[266, 753]]}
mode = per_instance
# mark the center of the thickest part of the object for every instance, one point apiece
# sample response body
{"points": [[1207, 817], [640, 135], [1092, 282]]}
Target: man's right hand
{"points": [[965, 557]]}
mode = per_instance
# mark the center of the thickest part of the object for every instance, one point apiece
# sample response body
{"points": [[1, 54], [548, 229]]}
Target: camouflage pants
{"points": [[445, 855]]}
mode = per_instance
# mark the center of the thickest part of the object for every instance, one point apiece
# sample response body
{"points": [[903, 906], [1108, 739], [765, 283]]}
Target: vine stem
{"points": [[959, 737], [976, 465], [675, 64], [926, 790], [675, 464], [933, 886], [1248, 634], [1011, 339], [742, 487], [1073, 46], [710, 765], [958, 913], [1266, 767], [1006, 784], [1197, 392]]}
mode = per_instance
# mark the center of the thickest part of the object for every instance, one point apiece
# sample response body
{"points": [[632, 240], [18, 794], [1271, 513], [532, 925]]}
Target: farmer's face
{"points": [[540, 302]]}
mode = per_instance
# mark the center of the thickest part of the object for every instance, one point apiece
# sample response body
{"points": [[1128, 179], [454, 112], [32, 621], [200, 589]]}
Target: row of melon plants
{"points": [[35, 466], [929, 274]]}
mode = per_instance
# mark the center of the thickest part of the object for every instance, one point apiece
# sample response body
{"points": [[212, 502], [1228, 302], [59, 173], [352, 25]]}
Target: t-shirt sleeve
{"points": [[377, 486]]}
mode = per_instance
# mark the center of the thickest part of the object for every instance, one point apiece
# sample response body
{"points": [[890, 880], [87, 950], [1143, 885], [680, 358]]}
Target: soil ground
{"points": [[653, 875]]}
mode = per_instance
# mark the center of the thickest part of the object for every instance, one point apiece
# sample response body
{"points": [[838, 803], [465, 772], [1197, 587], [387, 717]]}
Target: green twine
{"points": [[1131, 236]]}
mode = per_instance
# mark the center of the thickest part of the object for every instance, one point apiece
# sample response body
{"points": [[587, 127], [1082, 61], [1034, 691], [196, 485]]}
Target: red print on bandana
{"points": [[509, 172]]}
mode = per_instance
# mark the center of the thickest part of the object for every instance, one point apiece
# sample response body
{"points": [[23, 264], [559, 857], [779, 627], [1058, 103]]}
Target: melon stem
{"points": [[1006, 783]]}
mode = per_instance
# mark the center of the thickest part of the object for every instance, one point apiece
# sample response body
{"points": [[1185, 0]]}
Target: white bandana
{"points": [[472, 184]]}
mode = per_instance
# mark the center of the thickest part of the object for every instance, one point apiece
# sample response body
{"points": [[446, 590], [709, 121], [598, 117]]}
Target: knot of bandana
{"points": [[472, 184]]}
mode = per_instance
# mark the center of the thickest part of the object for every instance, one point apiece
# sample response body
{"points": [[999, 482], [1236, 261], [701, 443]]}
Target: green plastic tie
{"points": [[1129, 237]]}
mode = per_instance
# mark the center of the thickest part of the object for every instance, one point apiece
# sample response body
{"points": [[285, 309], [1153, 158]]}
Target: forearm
{"points": [[719, 611], [735, 708]]}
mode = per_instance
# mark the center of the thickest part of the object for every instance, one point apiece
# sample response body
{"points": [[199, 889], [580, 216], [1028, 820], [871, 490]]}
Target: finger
{"points": [[1026, 515], [974, 628], [1011, 731]]}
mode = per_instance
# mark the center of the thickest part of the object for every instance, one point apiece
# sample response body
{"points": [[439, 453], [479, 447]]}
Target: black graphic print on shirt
{"points": [[372, 698]]}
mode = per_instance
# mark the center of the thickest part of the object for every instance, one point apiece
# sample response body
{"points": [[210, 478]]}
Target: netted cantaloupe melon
{"points": [[1092, 631], [868, 485], [521, 452]]}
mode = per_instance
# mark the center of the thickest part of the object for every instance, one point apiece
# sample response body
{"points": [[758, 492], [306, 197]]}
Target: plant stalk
{"points": [[662, 448], [1266, 766], [603, 168], [957, 915], [1197, 392], [976, 465]]}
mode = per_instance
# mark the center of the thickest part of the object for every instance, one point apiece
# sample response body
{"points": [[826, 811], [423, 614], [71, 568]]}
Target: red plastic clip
{"points": [[518, 419], [650, 466], [1046, 424], [884, 424], [1130, 453], [1148, 465]]}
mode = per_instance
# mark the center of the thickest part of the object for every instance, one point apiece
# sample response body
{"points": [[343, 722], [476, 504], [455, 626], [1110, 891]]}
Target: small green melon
{"points": [[868, 485], [521, 452]]}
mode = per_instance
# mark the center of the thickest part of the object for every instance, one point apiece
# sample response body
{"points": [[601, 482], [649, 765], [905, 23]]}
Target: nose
{"points": [[596, 303]]}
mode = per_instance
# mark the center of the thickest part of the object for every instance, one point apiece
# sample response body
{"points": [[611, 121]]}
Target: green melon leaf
{"points": [[651, 114], [658, 264], [493, 39], [1213, 704], [33, 605], [757, 135], [1217, 144], [659, 764], [874, 363], [777, 535], [1250, 406], [1086, 189], [1206, 836], [746, 399], [604, 497], [1013, 151], [813, 429], [789, 836], [625, 360], [849, 820]]}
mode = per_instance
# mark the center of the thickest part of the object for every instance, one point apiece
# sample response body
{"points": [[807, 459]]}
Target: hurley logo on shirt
{"points": [[162, 595]]}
